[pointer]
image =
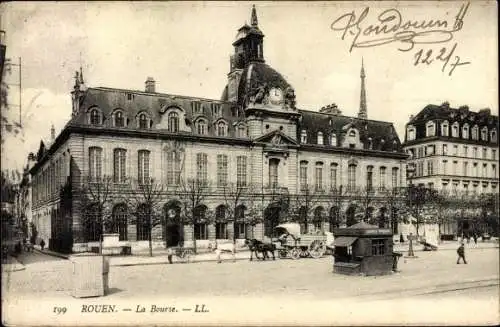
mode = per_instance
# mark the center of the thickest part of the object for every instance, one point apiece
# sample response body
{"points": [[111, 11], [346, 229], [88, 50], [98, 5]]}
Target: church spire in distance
{"points": [[254, 22], [363, 113]]}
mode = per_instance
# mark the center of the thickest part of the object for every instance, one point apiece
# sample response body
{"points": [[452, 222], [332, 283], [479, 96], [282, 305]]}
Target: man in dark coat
{"points": [[461, 253]]}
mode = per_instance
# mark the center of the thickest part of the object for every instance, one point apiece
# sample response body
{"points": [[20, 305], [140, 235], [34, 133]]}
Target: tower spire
{"points": [[254, 20], [363, 113]]}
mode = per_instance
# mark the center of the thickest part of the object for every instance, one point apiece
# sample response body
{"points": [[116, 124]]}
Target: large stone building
{"points": [[455, 151], [252, 156]]}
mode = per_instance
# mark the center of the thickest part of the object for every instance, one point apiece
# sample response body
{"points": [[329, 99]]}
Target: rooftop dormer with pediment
{"points": [[460, 125]]}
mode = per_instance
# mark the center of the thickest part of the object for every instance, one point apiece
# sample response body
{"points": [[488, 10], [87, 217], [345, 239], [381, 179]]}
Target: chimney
{"points": [[150, 85], [52, 133]]}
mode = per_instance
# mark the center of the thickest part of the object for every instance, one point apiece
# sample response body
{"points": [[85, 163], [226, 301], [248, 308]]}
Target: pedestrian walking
{"points": [[42, 244], [475, 238], [461, 253]]}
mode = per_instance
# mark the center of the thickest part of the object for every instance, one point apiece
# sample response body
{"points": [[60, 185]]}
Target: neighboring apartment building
{"points": [[255, 137], [454, 151]]}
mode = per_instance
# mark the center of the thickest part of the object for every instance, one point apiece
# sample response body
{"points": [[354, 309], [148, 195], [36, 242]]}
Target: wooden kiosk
{"points": [[364, 249]]}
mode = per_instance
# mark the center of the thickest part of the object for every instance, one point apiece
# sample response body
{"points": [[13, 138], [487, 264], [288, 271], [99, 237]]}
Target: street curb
{"points": [[174, 263], [54, 254]]}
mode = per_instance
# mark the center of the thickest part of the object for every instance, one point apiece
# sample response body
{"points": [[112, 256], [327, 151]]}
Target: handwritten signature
{"points": [[393, 28]]}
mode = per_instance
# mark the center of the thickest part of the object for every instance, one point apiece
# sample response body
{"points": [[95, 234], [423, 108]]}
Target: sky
{"points": [[186, 46]]}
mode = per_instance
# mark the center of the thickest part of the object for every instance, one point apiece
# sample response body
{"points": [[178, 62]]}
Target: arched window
{"points": [[221, 223], [242, 229], [119, 119], [493, 135], [120, 217], [445, 128], [319, 217], [143, 222], [430, 129], [221, 129], [454, 129], [119, 165], [382, 177], [143, 121], [303, 136], [334, 218], [92, 223], [95, 117], [242, 131], [200, 225], [333, 140], [352, 133], [173, 122], [201, 127], [320, 138], [484, 134], [475, 132], [465, 131], [95, 163]]}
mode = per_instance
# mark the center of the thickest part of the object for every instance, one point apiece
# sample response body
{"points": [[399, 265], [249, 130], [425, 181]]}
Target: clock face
{"points": [[275, 95]]}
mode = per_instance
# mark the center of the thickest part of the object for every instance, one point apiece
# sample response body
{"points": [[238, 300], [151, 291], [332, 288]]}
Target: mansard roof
{"points": [[382, 134], [132, 102]]}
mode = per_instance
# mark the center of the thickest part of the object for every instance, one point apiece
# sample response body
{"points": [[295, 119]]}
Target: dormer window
{"points": [[370, 143], [173, 122], [95, 117], [430, 129], [201, 127], [333, 140], [445, 129], [143, 121], [410, 132], [118, 119], [352, 133], [242, 131], [221, 129], [475, 132], [196, 107], [303, 136], [465, 131], [320, 138], [493, 136], [484, 134], [454, 130]]}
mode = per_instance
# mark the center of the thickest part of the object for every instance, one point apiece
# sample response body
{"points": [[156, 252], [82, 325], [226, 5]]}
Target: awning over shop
{"points": [[345, 240]]}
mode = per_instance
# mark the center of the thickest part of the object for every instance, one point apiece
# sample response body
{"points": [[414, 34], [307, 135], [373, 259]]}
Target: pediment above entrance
{"points": [[277, 138]]}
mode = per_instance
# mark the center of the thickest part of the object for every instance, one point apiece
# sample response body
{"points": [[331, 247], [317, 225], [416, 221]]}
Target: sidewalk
{"points": [[12, 264], [448, 245], [159, 257]]}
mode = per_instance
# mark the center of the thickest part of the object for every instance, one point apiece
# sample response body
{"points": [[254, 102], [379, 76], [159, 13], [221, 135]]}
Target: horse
{"points": [[330, 241], [223, 248], [259, 246]]}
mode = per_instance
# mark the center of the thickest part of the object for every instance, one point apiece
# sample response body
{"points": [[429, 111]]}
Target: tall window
{"points": [[319, 176], [333, 140], [303, 136], [143, 221], [221, 170], [303, 175], [494, 154], [395, 172], [455, 167], [430, 167], [119, 220], [221, 224], [320, 138], [242, 132], [466, 151], [173, 122], [430, 129], [119, 120], [201, 167], [474, 171], [351, 177], [466, 168], [494, 170], [382, 177], [333, 175], [200, 227], [474, 152], [445, 128], [92, 224], [221, 129], [475, 132], [485, 153], [485, 168], [445, 149], [241, 171], [143, 166], [369, 178], [484, 134], [465, 131], [454, 130], [173, 168], [95, 117], [95, 163], [201, 127], [410, 131], [273, 172], [119, 165], [493, 136], [143, 121]]}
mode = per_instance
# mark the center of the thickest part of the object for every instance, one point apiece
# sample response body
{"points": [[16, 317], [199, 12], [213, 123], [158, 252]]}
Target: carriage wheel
{"points": [[187, 256], [295, 253], [283, 253], [317, 249]]}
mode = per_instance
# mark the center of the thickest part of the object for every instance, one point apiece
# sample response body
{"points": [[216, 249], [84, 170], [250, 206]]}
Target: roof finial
{"points": [[52, 133], [81, 70], [254, 20], [363, 112]]}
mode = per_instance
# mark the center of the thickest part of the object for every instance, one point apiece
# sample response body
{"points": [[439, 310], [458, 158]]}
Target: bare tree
{"points": [[95, 195], [303, 204], [236, 196], [366, 198], [334, 200], [146, 196], [193, 193]]}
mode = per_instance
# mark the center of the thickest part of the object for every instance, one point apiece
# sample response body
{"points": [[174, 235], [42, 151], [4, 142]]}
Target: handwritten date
{"points": [[444, 56]]}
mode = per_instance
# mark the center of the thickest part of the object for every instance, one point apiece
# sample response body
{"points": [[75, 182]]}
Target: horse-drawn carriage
{"points": [[291, 243]]}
